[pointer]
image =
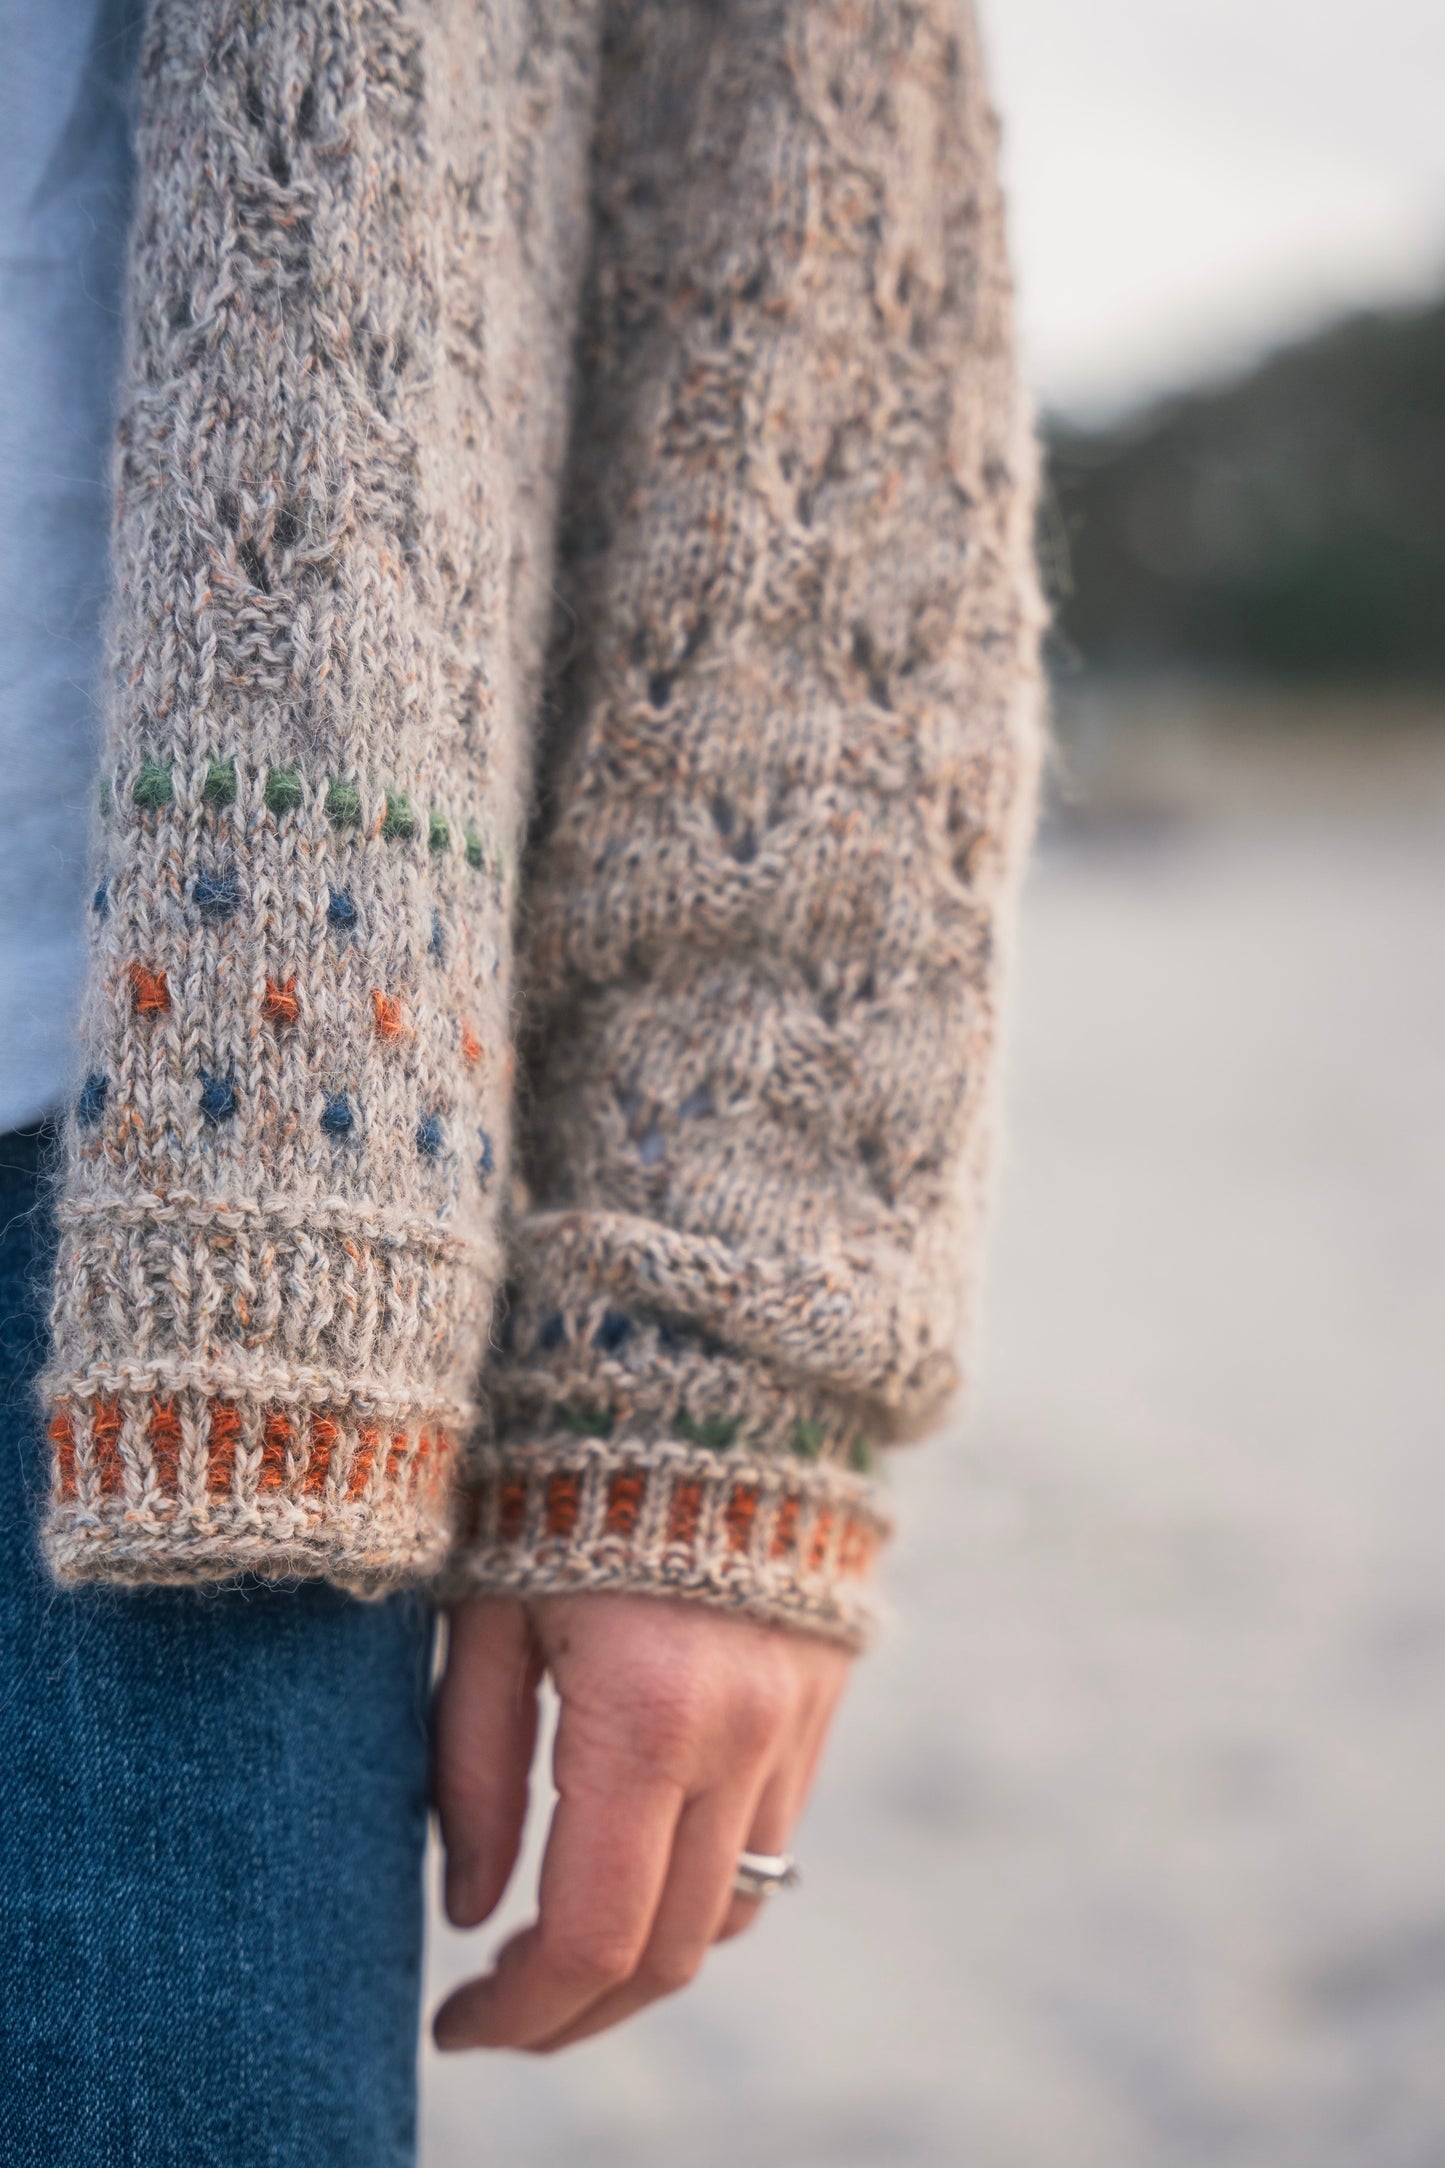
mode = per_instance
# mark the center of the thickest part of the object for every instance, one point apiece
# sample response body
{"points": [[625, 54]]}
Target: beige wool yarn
{"points": [[681, 332]]}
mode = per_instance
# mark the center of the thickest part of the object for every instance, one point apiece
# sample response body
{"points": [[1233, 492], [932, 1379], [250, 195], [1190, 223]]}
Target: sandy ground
{"points": [[1131, 1849]]}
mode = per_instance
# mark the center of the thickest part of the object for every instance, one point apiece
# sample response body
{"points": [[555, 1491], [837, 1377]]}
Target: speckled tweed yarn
{"points": [[787, 754], [352, 294]]}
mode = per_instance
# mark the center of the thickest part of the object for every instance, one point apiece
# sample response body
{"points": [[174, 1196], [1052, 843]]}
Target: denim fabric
{"points": [[212, 1814], [66, 71]]}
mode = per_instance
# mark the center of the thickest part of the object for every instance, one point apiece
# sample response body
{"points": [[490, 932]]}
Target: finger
{"points": [[710, 1835], [768, 1831], [777, 1810], [484, 1730], [602, 1879]]}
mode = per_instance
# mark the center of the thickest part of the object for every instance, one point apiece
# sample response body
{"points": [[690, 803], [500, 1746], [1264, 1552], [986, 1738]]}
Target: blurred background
{"points": [[1130, 1848]]}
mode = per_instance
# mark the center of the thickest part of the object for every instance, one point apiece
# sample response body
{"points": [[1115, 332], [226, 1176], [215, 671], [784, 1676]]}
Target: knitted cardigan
{"points": [[603, 414]]}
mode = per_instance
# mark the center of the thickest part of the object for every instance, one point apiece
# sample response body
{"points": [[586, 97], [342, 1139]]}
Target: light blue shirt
{"points": [[65, 175]]}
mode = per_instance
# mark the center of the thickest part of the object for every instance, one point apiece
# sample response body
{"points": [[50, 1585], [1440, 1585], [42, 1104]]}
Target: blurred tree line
{"points": [[1290, 523]]}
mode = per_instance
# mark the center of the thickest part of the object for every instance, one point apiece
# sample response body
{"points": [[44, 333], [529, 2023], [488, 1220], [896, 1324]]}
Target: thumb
{"points": [[484, 1729]]}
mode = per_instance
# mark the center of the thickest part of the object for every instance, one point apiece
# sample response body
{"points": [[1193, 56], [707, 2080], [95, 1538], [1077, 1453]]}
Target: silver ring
{"points": [[763, 1874]]}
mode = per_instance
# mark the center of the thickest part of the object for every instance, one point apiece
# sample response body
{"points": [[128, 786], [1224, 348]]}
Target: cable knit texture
{"points": [[788, 735]]}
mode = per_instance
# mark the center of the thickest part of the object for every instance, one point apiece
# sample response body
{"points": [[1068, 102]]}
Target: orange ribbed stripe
{"points": [[739, 1515], [105, 1441], [368, 1445], [624, 1502], [323, 1444], [221, 1458], [62, 1440], [276, 1437], [785, 1527], [563, 1503], [511, 1508], [822, 1530], [684, 1512], [166, 1443]]}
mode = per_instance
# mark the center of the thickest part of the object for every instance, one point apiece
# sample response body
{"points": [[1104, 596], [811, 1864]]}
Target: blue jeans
{"points": [[212, 1807], [212, 1815]]}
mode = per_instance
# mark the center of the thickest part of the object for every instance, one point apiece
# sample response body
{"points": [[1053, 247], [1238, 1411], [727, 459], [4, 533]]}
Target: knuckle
{"points": [[591, 1960], [761, 1707], [668, 1971], [669, 1713]]}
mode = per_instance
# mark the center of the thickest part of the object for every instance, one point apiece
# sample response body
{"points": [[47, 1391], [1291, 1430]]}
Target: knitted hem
{"points": [[197, 1489], [794, 1547]]}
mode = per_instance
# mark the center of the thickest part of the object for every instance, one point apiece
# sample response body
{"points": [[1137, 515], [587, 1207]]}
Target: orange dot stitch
{"points": [[685, 1512], [323, 1443], [739, 1515], [785, 1528], [822, 1530], [396, 1456], [166, 1443], [279, 1003], [563, 1504], [471, 1045], [276, 1437], [225, 1433], [511, 1508], [62, 1439], [105, 1443], [624, 1502], [149, 993], [386, 1013]]}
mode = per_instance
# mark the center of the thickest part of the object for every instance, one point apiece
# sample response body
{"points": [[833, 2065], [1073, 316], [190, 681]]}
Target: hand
{"points": [[686, 1736]]}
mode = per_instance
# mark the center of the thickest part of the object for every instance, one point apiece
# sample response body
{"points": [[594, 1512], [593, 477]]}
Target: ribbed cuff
{"points": [[192, 1488], [782, 1542]]}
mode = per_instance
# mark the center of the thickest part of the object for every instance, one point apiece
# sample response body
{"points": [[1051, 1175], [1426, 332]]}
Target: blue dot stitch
{"points": [[616, 1326], [486, 1164], [430, 1135], [218, 1098], [337, 1118], [652, 1146], [100, 901], [90, 1105], [217, 895], [552, 1330], [438, 941], [340, 909]]}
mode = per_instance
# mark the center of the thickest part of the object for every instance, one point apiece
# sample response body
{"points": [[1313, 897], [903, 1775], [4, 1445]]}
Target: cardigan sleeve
{"points": [[793, 733], [355, 257]]}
